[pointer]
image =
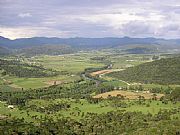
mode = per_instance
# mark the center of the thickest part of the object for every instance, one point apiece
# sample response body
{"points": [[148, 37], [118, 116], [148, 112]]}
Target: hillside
{"points": [[164, 71], [47, 50]]}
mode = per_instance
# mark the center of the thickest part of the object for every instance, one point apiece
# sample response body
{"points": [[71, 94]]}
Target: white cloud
{"points": [[24, 15], [25, 32], [97, 18], [116, 21]]}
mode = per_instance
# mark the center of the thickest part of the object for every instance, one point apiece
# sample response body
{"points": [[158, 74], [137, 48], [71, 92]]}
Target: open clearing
{"points": [[128, 94]]}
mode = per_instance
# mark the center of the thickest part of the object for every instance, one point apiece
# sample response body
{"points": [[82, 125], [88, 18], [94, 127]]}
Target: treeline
{"points": [[72, 90], [164, 71], [16, 68], [112, 123]]}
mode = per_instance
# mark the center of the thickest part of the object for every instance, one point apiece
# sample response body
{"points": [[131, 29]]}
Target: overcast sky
{"points": [[90, 18]]}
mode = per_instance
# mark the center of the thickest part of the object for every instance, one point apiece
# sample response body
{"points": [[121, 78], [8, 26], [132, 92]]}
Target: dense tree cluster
{"points": [[19, 69]]}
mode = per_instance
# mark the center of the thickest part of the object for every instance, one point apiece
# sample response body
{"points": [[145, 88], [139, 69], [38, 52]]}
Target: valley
{"points": [[89, 67], [80, 85]]}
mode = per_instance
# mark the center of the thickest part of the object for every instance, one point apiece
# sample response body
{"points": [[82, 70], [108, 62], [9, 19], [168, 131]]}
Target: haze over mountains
{"points": [[58, 46], [87, 42]]}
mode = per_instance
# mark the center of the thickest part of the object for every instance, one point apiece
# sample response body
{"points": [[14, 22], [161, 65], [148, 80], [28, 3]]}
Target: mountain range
{"points": [[79, 42]]}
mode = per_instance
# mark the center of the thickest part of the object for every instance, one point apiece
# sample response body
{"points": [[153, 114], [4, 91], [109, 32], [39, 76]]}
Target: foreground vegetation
{"points": [[87, 116]]}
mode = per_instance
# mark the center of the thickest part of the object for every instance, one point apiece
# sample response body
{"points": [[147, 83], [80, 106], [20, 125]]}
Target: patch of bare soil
{"points": [[53, 82], [101, 72]]}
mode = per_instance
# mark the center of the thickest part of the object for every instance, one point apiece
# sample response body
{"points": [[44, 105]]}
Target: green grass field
{"points": [[71, 63], [33, 83]]}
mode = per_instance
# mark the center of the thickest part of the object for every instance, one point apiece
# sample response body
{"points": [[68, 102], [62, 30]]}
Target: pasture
{"points": [[33, 83], [73, 64]]}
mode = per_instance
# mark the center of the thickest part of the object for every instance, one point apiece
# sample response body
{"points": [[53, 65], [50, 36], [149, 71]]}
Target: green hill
{"points": [[164, 71], [47, 50]]}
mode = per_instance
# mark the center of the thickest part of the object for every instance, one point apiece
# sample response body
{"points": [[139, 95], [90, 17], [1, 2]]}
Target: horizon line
{"points": [[89, 37]]}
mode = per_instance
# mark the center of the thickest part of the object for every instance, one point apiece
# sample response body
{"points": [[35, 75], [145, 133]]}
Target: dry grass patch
{"points": [[128, 94]]}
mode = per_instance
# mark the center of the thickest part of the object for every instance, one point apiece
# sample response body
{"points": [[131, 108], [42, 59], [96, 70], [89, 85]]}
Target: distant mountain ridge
{"points": [[47, 50], [107, 42]]}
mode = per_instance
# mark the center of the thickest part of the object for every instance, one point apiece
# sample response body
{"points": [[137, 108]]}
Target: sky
{"points": [[90, 18]]}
